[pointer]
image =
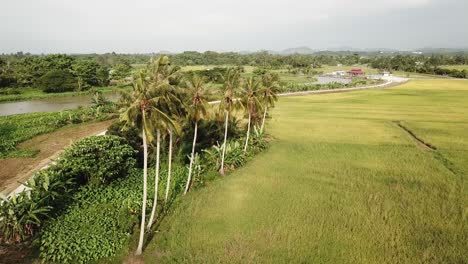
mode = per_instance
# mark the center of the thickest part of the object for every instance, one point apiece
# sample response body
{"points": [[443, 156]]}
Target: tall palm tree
{"points": [[164, 99], [228, 103], [141, 109], [251, 102], [138, 111], [270, 83], [197, 112]]}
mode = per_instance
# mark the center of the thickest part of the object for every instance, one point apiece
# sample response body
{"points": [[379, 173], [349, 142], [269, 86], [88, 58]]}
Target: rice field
{"points": [[342, 182]]}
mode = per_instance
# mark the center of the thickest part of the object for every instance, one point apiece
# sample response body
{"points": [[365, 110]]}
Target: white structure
{"points": [[339, 73], [385, 74]]}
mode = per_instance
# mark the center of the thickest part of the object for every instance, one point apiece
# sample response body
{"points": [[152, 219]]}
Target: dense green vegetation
{"points": [[341, 183], [50, 190]]}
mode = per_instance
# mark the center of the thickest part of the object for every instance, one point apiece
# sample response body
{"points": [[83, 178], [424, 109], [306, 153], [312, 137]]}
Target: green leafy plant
{"points": [[98, 159]]}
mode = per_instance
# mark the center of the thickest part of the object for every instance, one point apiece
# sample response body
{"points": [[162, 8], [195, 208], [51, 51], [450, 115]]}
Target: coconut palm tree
{"points": [[251, 101], [197, 112], [228, 103], [270, 83], [164, 99], [141, 110], [137, 114]]}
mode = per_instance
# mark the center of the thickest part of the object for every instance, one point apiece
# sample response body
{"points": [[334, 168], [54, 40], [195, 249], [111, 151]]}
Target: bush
{"points": [[98, 159], [131, 135], [57, 81]]}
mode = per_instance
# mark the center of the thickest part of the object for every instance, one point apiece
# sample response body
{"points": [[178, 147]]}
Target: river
{"points": [[49, 104]]}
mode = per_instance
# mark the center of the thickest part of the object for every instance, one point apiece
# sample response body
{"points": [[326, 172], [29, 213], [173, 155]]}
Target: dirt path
{"points": [[15, 170]]}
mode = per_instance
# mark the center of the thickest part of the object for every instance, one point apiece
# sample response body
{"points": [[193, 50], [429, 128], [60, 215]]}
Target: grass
{"points": [[456, 67], [341, 183], [29, 93]]}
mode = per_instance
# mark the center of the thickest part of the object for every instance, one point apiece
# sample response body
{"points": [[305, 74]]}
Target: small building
{"points": [[385, 74], [356, 72], [339, 73]]}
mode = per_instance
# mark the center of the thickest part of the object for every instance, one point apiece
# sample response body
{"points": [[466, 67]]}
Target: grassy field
{"points": [[342, 182], [456, 67]]}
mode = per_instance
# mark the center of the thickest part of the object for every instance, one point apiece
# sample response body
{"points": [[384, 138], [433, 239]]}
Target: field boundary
{"points": [[421, 141]]}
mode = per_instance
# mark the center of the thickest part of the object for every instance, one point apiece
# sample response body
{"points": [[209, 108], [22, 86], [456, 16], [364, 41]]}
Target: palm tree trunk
{"points": [[145, 176], [169, 167], [264, 116], [224, 144], [248, 132], [156, 179], [187, 185]]}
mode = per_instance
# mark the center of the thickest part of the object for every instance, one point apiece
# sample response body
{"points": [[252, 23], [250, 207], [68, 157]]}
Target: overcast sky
{"points": [[140, 26]]}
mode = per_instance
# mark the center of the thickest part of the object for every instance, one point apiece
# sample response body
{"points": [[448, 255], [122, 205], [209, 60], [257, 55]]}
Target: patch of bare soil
{"points": [[16, 170]]}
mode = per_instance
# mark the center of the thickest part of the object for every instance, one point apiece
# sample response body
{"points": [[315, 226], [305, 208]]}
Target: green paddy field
{"points": [[376, 176]]}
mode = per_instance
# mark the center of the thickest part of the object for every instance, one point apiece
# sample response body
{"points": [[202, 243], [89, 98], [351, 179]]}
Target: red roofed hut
{"points": [[356, 72]]}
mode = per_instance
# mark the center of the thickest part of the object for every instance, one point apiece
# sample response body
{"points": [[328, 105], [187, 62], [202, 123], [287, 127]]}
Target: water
{"points": [[327, 79], [49, 104]]}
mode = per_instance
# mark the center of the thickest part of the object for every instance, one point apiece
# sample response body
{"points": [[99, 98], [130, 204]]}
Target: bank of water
{"points": [[49, 104]]}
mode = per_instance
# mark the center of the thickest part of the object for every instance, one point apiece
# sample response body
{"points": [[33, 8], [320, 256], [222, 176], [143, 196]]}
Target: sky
{"points": [[144, 26]]}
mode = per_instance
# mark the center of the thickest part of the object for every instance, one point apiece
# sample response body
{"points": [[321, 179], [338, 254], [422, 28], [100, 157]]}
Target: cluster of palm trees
{"points": [[161, 100]]}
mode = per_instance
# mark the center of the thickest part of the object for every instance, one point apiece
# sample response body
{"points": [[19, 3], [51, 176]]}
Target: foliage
{"points": [[98, 223], [98, 159], [235, 156], [49, 191], [210, 132], [131, 135], [20, 218], [87, 70], [22, 215], [211, 75], [57, 81], [120, 71]]}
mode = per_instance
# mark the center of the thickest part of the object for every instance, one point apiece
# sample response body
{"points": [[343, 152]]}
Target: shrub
{"points": [[57, 81], [131, 135], [98, 159], [235, 156]]}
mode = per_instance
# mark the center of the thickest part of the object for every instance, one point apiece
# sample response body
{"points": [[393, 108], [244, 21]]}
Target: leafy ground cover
{"points": [[341, 183]]}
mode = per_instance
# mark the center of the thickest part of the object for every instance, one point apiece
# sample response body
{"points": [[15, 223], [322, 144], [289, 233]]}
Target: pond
{"points": [[49, 104]]}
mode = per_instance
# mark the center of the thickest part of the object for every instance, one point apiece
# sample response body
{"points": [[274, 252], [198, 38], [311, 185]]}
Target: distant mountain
{"points": [[428, 50], [298, 50]]}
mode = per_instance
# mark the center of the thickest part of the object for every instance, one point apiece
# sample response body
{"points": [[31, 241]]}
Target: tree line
{"points": [[422, 64], [69, 72], [85, 70]]}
